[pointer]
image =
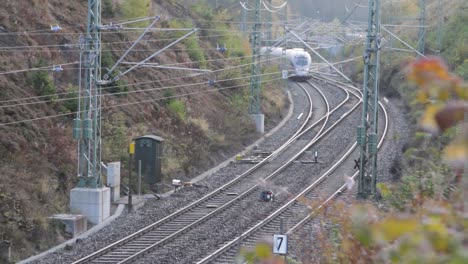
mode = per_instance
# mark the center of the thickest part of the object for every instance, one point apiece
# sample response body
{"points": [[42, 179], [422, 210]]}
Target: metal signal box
{"points": [[149, 149]]}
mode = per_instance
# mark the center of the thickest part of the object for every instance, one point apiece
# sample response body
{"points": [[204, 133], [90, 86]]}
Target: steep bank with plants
{"points": [[202, 124], [420, 216]]}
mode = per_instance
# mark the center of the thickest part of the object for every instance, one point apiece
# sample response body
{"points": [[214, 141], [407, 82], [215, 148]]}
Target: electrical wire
{"points": [[115, 42], [132, 103], [133, 50], [49, 32], [171, 64], [136, 91], [273, 11], [38, 68], [67, 45], [128, 92], [276, 7]]}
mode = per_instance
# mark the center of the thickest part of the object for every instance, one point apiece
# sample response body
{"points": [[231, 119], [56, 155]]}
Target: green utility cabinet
{"points": [[149, 149]]}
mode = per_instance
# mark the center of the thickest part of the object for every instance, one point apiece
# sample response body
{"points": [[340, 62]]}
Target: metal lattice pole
{"points": [[255, 80], [367, 131], [269, 26], [439, 27], [243, 26], [422, 26], [87, 125]]}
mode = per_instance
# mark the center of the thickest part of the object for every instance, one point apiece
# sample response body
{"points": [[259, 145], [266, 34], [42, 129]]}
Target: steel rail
{"points": [[344, 186], [227, 205], [236, 241], [168, 218], [187, 227]]}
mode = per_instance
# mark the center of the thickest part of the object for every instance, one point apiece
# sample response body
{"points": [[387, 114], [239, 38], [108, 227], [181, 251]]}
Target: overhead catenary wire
{"points": [[111, 87], [273, 11], [68, 45], [168, 79], [170, 64], [276, 7], [138, 91], [133, 103], [119, 42], [128, 92], [38, 68], [130, 29], [64, 64]]}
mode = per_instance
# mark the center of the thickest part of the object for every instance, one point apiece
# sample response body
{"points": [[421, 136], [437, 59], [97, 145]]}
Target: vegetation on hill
{"points": [[38, 159], [421, 216]]}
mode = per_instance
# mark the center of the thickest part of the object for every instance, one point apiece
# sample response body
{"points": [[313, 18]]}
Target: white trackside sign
{"points": [[280, 244]]}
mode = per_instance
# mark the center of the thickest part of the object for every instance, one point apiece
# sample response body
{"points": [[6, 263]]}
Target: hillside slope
{"points": [[38, 158]]}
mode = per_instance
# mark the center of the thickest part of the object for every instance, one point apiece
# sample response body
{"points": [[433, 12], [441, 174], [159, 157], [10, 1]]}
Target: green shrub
{"points": [[177, 107], [167, 95], [114, 138], [42, 82], [108, 10], [454, 48], [106, 59], [132, 9], [119, 87], [203, 10], [231, 38], [71, 104], [191, 43], [462, 70]]}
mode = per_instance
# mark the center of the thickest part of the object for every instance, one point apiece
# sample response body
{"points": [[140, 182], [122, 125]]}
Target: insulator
{"points": [[77, 128], [87, 129], [361, 136]]}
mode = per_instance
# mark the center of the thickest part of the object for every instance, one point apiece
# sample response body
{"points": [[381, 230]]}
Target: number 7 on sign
{"points": [[280, 244]]}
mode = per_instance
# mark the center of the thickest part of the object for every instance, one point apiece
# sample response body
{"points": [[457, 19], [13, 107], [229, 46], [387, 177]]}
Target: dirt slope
{"points": [[37, 159]]}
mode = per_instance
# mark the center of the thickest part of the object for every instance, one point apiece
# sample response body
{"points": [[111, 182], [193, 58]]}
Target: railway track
{"points": [[296, 212], [140, 243], [246, 211]]}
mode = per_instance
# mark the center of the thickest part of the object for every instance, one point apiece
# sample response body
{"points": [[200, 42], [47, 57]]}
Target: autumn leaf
{"points": [[452, 113], [438, 234], [383, 189], [393, 228], [428, 121], [424, 71], [263, 250], [461, 90], [434, 80], [456, 153]]}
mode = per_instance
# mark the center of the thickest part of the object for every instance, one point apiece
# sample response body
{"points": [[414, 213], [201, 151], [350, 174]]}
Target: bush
{"points": [[119, 87], [115, 139], [42, 82], [177, 107], [108, 10], [203, 10], [454, 47], [132, 9], [191, 43], [71, 104]]}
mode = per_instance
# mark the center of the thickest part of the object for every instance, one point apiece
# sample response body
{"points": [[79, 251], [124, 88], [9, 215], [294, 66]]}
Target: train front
{"points": [[301, 61]]}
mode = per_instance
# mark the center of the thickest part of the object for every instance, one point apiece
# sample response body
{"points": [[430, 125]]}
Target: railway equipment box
{"points": [[149, 149]]}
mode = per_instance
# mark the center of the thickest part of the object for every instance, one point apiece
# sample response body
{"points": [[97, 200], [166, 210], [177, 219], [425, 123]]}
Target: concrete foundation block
{"points": [[259, 120], [74, 224], [93, 203]]}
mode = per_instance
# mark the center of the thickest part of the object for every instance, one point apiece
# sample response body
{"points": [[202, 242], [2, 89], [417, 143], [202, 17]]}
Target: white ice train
{"points": [[299, 61]]}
